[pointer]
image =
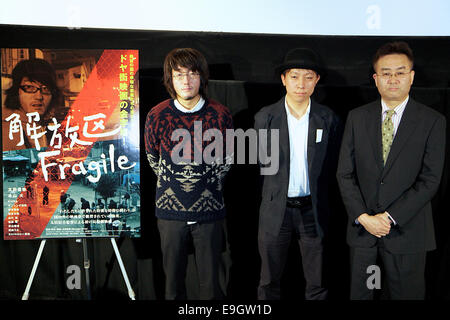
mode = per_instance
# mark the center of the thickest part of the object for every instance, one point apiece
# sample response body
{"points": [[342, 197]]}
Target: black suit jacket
{"points": [[322, 162], [404, 186]]}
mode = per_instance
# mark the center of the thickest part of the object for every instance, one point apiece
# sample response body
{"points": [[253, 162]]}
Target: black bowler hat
{"points": [[300, 58]]}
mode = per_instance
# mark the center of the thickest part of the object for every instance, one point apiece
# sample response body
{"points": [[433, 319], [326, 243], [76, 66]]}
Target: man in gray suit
{"points": [[295, 199], [390, 166]]}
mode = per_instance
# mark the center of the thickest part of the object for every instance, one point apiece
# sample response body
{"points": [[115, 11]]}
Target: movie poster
{"points": [[70, 142]]}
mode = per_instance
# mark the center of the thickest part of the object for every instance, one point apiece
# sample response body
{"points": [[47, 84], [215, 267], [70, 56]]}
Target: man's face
{"points": [[393, 78], [186, 83], [300, 84], [34, 102]]}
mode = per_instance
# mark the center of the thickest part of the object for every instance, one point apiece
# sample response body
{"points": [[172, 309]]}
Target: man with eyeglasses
{"points": [[189, 202], [33, 92], [389, 169]]}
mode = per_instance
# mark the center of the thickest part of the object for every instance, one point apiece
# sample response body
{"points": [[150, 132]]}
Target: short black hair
{"points": [[396, 47]]}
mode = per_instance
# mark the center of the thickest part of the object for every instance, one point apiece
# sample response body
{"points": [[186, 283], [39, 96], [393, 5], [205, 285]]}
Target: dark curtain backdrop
{"points": [[243, 78]]}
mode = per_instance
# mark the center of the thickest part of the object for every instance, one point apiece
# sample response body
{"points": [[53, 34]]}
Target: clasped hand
{"points": [[378, 225]]}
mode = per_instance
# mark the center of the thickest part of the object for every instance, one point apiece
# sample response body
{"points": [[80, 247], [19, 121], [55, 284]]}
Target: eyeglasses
{"points": [[33, 89], [190, 75], [398, 75]]}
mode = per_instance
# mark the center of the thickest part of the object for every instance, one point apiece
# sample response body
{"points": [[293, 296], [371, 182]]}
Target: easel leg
{"points": [[26, 294], [87, 265], [122, 268]]}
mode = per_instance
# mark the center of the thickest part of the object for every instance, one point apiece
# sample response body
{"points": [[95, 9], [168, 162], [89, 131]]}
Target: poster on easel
{"points": [[70, 142]]}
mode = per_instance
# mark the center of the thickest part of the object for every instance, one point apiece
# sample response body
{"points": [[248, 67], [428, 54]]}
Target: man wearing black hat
{"points": [[295, 198]]}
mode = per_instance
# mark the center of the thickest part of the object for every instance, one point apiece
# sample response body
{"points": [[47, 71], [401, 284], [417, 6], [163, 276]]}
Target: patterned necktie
{"points": [[388, 134]]}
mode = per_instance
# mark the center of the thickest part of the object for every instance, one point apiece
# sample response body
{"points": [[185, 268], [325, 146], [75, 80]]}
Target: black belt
{"points": [[298, 202]]}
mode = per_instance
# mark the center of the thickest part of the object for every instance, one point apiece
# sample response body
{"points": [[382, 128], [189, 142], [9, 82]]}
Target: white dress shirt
{"points": [[298, 149], [398, 113], [396, 118]]}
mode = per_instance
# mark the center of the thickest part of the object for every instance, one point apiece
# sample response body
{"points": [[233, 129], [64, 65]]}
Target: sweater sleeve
{"points": [[222, 164], [228, 146], [228, 150], [152, 142]]}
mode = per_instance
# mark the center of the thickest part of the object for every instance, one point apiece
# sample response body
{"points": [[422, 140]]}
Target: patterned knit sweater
{"points": [[188, 189]]}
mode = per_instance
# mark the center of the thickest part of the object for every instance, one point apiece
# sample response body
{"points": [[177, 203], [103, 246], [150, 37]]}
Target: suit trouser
{"points": [[207, 239], [274, 250], [405, 273]]}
